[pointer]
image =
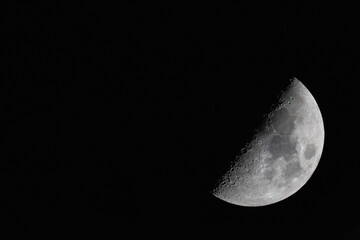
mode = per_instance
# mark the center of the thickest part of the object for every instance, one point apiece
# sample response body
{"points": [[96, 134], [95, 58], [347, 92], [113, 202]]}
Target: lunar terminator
{"points": [[282, 155]]}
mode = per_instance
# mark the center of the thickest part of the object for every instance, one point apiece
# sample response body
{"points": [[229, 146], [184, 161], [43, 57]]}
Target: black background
{"points": [[118, 120]]}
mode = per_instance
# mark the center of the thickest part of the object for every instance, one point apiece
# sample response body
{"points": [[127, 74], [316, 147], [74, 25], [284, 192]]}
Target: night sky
{"points": [[117, 120]]}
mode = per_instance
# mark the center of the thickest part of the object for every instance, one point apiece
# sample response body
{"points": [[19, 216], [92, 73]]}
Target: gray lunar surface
{"points": [[282, 155]]}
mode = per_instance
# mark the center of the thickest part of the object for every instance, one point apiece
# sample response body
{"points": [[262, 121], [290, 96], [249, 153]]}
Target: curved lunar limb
{"points": [[281, 157]]}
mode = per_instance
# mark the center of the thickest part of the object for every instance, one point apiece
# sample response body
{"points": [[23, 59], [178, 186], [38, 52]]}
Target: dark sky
{"points": [[118, 119]]}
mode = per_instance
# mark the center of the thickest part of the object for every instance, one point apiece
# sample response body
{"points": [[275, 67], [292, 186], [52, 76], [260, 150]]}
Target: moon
{"points": [[282, 155]]}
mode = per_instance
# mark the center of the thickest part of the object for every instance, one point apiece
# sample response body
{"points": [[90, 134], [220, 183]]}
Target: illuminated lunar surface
{"points": [[282, 155]]}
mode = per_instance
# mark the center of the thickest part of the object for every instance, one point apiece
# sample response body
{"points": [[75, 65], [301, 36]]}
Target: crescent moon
{"points": [[281, 157]]}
